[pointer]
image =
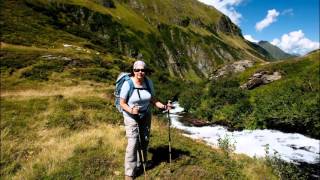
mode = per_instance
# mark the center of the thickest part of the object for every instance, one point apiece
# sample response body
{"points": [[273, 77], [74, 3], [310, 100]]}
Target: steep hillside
{"points": [[275, 52], [290, 104], [168, 36]]}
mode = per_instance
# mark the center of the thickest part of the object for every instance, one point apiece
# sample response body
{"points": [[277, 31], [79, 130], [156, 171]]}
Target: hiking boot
{"points": [[138, 171], [149, 165]]}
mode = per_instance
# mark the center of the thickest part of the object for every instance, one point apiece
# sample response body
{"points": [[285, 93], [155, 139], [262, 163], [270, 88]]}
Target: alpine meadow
{"points": [[60, 60]]}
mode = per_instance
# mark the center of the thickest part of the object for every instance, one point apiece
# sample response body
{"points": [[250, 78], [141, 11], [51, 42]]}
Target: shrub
{"points": [[16, 60], [191, 95], [226, 145], [43, 69], [283, 169], [69, 120], [294, 110], [95, 73], [19, 115]]}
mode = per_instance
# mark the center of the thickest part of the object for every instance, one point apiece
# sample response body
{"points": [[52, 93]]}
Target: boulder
{"points": [[261, 78], [236, 67]]}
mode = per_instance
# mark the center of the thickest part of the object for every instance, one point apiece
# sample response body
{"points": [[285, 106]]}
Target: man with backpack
{"points": [[134, 96]]}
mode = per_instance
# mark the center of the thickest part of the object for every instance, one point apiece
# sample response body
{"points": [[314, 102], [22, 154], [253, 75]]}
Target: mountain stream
{"points": [[291, 147]]}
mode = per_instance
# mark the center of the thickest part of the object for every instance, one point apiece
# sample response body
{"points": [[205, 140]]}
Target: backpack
{"points": [[120, 80]]}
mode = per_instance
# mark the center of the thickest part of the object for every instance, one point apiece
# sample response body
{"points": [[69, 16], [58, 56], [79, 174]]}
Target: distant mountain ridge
{"points": [[274, 51]]}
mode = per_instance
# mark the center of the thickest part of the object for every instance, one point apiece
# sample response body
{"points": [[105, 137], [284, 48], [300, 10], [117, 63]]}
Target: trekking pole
{"points": [[169, 136], [142, 154]]}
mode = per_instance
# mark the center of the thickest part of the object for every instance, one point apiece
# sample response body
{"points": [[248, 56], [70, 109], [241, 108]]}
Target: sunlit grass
{"points": [[121, 13], [73, 50], [55, 90], [28, 139], [96, 149], [56, 149]]}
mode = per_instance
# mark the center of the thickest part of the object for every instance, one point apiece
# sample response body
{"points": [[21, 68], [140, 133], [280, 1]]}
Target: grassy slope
{"points": [[296, 108], [73, 131], [21, 27], [65, 127], [168, 12], [290, 104], [133, 21]]}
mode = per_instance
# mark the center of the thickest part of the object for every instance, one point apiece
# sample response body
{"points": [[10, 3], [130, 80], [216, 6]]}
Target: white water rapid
{"points": [[292, 147]]}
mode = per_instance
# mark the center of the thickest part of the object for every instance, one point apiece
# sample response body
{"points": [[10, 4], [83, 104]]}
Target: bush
{"points": [[284, 169], [71, 121], [43, 69], [226, 145], [16, 60], [95, 73], [294, 110], [227, 91], [191, 96], [223, 103], [19, 115]]}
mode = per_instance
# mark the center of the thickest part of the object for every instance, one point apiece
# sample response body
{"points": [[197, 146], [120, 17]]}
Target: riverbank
{"points": [[289, 147]]}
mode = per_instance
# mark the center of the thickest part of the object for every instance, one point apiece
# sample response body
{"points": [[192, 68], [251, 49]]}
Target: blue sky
{"points": [[292, 25]]}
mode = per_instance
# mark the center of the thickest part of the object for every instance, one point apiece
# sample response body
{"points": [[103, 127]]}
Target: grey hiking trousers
{"points": [[133, 156]]}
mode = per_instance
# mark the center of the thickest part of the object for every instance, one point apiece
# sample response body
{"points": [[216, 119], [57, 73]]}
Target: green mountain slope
{"points": [[168, 36], [290, 104], [275, 52]]}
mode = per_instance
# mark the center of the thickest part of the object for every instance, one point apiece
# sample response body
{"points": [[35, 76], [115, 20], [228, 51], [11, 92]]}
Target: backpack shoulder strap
{"points": [[131, 85], [148, 85]]}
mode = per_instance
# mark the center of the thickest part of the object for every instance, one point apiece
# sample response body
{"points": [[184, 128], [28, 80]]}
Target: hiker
{"points": [[137, 117]]}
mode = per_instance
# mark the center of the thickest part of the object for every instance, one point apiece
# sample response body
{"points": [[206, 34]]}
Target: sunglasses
{"points": [[137, 70]]}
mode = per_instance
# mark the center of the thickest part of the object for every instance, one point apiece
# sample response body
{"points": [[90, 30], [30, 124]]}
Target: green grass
{"points": [[80, 137], [24, 118], [165, 10], [296, 105], [19, 119], [66, 131], [21, 27], [78, 113], [23, 66], [190, 161], [86, 163], [289, 104]]}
